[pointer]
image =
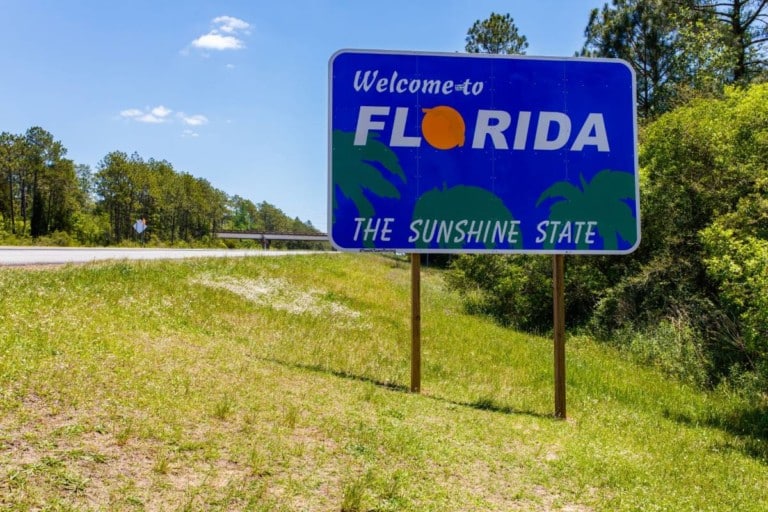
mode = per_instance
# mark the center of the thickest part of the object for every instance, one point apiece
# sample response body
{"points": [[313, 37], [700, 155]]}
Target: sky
{"points": [[235, 92]]}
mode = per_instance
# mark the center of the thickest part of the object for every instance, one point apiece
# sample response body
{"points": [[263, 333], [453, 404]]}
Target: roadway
{"points": [[60, 255]]}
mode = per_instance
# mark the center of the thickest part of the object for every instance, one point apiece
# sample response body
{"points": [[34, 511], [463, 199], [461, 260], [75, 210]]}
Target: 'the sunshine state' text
{"points": [[466, 231]]}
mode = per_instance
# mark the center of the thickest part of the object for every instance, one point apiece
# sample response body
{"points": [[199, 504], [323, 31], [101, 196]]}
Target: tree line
{"points": [[679, 49], [47, 198], [693, 297]]}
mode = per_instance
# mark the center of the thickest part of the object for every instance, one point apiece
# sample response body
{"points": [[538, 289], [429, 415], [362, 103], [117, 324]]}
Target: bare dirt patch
{"points": [[85, 459]]}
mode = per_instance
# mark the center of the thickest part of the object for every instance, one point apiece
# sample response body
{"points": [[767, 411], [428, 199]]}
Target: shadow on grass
{"points": [[490, 405], [316, 368], [748, 425], [482, 404]]}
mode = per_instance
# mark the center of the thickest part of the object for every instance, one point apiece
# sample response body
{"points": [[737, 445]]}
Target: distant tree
{"points": [[116, 189], [745, 25], [275, 220], [681, 48], [165, 195], [305, 228], [85, 184], [643, 33], [61, 195], [496, 34], [11, 161], [43, 156], [37, 184], [50, 181], [244, 214], [217, 202]]}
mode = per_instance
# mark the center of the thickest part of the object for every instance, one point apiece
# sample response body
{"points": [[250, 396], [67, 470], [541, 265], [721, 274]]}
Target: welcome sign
{"points": [[482, 153]]}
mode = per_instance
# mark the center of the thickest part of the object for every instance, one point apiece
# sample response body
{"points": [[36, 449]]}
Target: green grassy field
{"points": [[281, 384]]}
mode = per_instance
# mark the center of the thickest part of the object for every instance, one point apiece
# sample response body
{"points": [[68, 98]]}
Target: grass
{"points": [[280, 384]]}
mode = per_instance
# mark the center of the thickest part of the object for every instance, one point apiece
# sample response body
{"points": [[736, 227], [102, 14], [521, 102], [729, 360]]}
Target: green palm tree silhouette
{"points": [[600, 200], [463, 204], [357, 169]]}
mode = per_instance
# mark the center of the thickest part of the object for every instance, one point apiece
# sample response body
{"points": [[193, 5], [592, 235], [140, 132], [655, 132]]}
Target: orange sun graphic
{"points": [[443, 127]]}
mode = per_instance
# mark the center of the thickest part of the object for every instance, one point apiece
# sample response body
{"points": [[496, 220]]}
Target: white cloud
{"points": [[230, 24], [161, 111], [213, 41], [189, 133], [155, 115], [222, 35], [193, 120], [131, 112], [162, 114], [149, 118], [230, 66]]}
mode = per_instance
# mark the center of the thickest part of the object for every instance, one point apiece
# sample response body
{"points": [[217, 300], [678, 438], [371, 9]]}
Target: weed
{"points": [[224, 407], [162, 464], [124, 433], [71, 482], [291, 416], [354, 493]]}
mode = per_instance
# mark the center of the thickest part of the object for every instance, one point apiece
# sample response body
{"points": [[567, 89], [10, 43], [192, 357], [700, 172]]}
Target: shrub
{"points": [[55, 239], [674, 347], [739, 267], [514, 290], [517, 290]]}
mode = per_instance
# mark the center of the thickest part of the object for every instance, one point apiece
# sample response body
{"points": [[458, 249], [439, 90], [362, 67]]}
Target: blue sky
{"points": [[231, 91]]}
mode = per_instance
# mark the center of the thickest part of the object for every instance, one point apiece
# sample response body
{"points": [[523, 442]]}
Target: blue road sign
{"points": [[482, 153]]}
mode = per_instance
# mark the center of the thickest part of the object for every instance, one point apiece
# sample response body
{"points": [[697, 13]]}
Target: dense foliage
{"points": [[704, 210], [39, 192], [680, 48], [694, 297], [699, 282], [46, 198]]}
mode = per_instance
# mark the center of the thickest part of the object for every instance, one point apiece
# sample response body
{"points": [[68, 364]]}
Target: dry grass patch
{"points": [[280, 294]]}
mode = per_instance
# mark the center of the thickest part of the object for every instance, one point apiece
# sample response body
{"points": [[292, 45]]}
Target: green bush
{"points": [[90, 229], [694, 297], [705, 230], [7, 238], [514, 290], [517, 290], [739, 267], [55, 239], [673, 346]]}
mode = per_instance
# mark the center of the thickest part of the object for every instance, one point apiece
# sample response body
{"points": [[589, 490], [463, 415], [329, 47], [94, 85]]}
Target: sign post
{"points": [[415, 323], [458, 153], [558, 299]]}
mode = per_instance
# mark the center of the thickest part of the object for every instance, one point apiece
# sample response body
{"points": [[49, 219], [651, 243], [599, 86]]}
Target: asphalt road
{"points": [[59, 255]]}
